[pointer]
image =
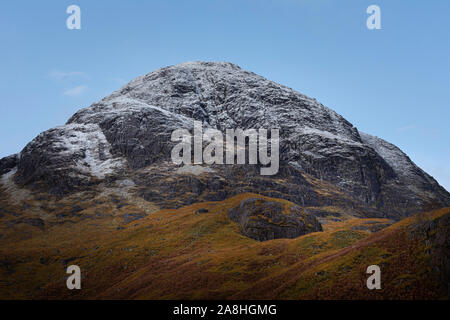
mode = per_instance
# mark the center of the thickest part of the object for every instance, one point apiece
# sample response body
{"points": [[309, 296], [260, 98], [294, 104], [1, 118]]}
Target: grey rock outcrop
{"points": [[8, 163], [264, 220]]}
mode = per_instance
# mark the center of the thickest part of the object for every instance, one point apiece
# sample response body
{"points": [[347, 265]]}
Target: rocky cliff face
{"points": [[127, 136]]}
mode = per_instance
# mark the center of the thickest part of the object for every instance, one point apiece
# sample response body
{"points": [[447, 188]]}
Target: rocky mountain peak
{"points": [[127, 134]]}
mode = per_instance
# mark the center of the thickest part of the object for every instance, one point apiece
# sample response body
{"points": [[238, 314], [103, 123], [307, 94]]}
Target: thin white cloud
{"points": [[406, 128], [73, 92], [61, 75]]}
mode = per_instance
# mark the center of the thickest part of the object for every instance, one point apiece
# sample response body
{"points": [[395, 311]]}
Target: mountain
{"points": [[108, 170], [130, 130]]}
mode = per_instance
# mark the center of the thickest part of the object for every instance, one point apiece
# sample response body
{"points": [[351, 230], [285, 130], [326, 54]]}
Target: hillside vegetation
{"points": [[136, 251]]}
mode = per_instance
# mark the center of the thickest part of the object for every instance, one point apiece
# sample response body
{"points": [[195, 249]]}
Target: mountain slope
{"points": [[197, 252]]}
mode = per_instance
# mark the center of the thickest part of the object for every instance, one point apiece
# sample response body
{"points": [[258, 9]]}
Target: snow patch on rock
{"points": [[91, 142], [16, 194]]}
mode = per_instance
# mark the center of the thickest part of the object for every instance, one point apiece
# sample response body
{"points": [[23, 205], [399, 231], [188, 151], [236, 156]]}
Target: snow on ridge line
{"points": [[116, 105], [396, 158], [326, 134], [390, 153]]}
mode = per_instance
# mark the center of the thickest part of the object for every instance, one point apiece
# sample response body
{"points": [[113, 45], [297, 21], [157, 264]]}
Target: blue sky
{"points": [[393, 83]]}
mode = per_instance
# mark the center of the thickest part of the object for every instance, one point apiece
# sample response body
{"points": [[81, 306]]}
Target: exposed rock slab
{"points": [[264, 220]]}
